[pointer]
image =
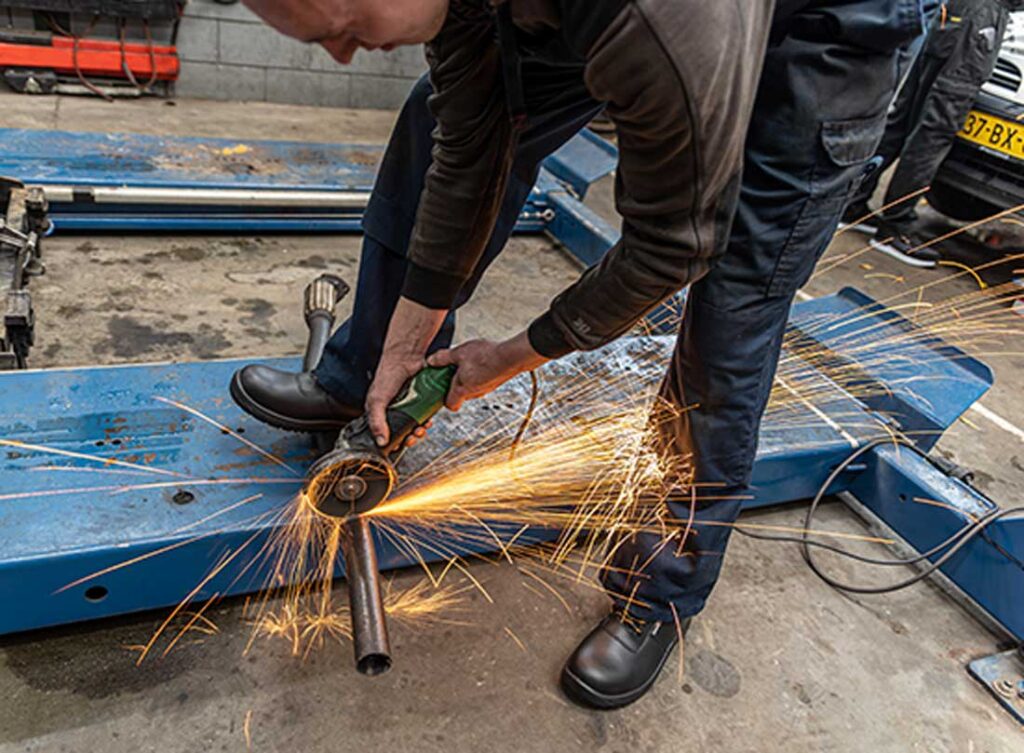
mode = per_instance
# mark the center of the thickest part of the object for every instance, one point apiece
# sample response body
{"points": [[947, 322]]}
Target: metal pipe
{"points": [[369, 623], [319, 301], [320, 327], [245, 197]]}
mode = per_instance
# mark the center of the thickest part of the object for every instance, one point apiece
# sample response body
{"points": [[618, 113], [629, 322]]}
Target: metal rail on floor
{"points": [[140, 183]]}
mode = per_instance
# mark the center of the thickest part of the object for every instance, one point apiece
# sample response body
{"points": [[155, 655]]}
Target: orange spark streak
{"points": [[79, 469], [515, 638], [251, 445], [880, 210], [228, 558], [206, 482], [215, 515], [90, 458], [128, 563], [682, 638], [247, 729]]}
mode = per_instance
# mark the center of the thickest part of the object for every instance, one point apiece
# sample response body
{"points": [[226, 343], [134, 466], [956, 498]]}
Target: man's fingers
{"points": [[376, 411], [456, 396], [417, 434], [444, 357]]}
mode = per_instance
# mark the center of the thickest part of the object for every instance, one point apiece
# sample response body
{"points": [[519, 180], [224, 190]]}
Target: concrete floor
{"points": [[778, 662]]}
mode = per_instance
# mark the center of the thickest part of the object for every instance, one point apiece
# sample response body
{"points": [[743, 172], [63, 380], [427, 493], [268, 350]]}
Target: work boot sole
{"points": [[913, 261], [583, 694], [859, 227], [277, 420]]}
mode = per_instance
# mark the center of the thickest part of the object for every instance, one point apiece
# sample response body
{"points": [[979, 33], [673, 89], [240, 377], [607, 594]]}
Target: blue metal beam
{"points": [[83, 171], [583, 161], [902, 488], [57, 526], [581, 230]]}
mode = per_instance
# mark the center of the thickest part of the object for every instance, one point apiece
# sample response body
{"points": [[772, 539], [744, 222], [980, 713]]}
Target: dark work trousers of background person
{"points": [[957, 59]]}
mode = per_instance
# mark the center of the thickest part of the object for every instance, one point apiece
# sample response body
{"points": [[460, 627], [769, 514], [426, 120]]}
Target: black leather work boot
{"points": [[290, 401], [618, 662]]}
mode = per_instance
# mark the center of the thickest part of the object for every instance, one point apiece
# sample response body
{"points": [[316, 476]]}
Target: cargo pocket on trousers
{"points": [[844, 156]]}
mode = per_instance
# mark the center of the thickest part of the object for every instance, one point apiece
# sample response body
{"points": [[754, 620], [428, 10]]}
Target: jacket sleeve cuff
{"points": [[430, 288], [547, 339]]}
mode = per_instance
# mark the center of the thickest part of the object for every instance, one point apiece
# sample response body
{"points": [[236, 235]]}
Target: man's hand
{"points": [[484, 366], [412, 329]]}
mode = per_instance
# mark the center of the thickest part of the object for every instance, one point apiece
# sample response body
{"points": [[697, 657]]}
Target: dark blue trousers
{"points": [[819, 115]]}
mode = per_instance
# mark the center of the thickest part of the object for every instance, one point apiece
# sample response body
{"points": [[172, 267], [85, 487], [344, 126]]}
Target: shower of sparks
{"points": [[299, 604], [586, 476]]}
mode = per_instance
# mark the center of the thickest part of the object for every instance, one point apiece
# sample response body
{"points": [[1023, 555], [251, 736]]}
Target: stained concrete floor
{"points": [[777, 662]]}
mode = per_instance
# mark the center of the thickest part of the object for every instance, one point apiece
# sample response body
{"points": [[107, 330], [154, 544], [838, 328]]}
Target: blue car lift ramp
{"points": [[141, 183]]}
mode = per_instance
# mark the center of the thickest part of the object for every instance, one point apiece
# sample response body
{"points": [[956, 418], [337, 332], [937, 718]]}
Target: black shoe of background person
{"points": [[859, 217], [290, 401], [898, 242], [618, 662]]}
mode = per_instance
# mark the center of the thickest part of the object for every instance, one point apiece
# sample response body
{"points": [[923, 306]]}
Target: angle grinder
{"points": [[355, 477]]}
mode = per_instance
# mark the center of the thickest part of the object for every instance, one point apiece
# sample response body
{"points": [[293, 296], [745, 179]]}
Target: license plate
{"points": [[1003, 136]]}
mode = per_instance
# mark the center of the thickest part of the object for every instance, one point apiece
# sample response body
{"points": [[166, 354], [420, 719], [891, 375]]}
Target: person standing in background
{"points": [[958, 57]]}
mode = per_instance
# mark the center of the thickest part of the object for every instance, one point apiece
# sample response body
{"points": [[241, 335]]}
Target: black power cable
{"points": [[953, 544], [527, 417]]}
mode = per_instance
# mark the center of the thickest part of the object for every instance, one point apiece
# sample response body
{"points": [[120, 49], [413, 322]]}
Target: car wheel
{"points": [[958, 205]]}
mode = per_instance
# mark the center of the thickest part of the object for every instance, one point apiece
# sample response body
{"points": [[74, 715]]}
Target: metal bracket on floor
{"points": [[23, 223], [1003, 676]]}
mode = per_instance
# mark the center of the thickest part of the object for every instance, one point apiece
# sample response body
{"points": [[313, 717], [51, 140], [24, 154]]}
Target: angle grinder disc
{"points": [[345, 484]]}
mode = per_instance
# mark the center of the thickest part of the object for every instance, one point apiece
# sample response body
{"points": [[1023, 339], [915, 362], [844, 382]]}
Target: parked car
{"points": [[984, 172]]}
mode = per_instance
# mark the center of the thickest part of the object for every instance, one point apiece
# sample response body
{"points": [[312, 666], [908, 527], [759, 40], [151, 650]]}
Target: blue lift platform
{"points": [[139, 183], [65, 517]]}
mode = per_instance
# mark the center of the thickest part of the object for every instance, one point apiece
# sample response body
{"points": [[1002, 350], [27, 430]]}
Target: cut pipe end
{"points": [[372, 665]]}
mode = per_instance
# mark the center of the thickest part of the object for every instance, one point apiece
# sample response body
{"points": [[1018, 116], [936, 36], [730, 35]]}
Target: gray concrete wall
{"points": [[229, 54]]}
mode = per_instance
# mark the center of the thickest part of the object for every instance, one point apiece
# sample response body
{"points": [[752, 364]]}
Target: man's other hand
{"points": [[484, 365], [412, 329]]}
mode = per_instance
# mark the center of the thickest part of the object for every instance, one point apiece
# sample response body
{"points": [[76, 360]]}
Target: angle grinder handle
{"points": [[418, 402]]}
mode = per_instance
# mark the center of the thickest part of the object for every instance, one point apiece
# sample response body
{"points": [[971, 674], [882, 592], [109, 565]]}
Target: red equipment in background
{"points": [[94, 57], [62, 58]]}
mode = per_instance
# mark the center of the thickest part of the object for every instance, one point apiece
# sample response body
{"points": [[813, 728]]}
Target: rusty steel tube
{"points": [[369, 622]]}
